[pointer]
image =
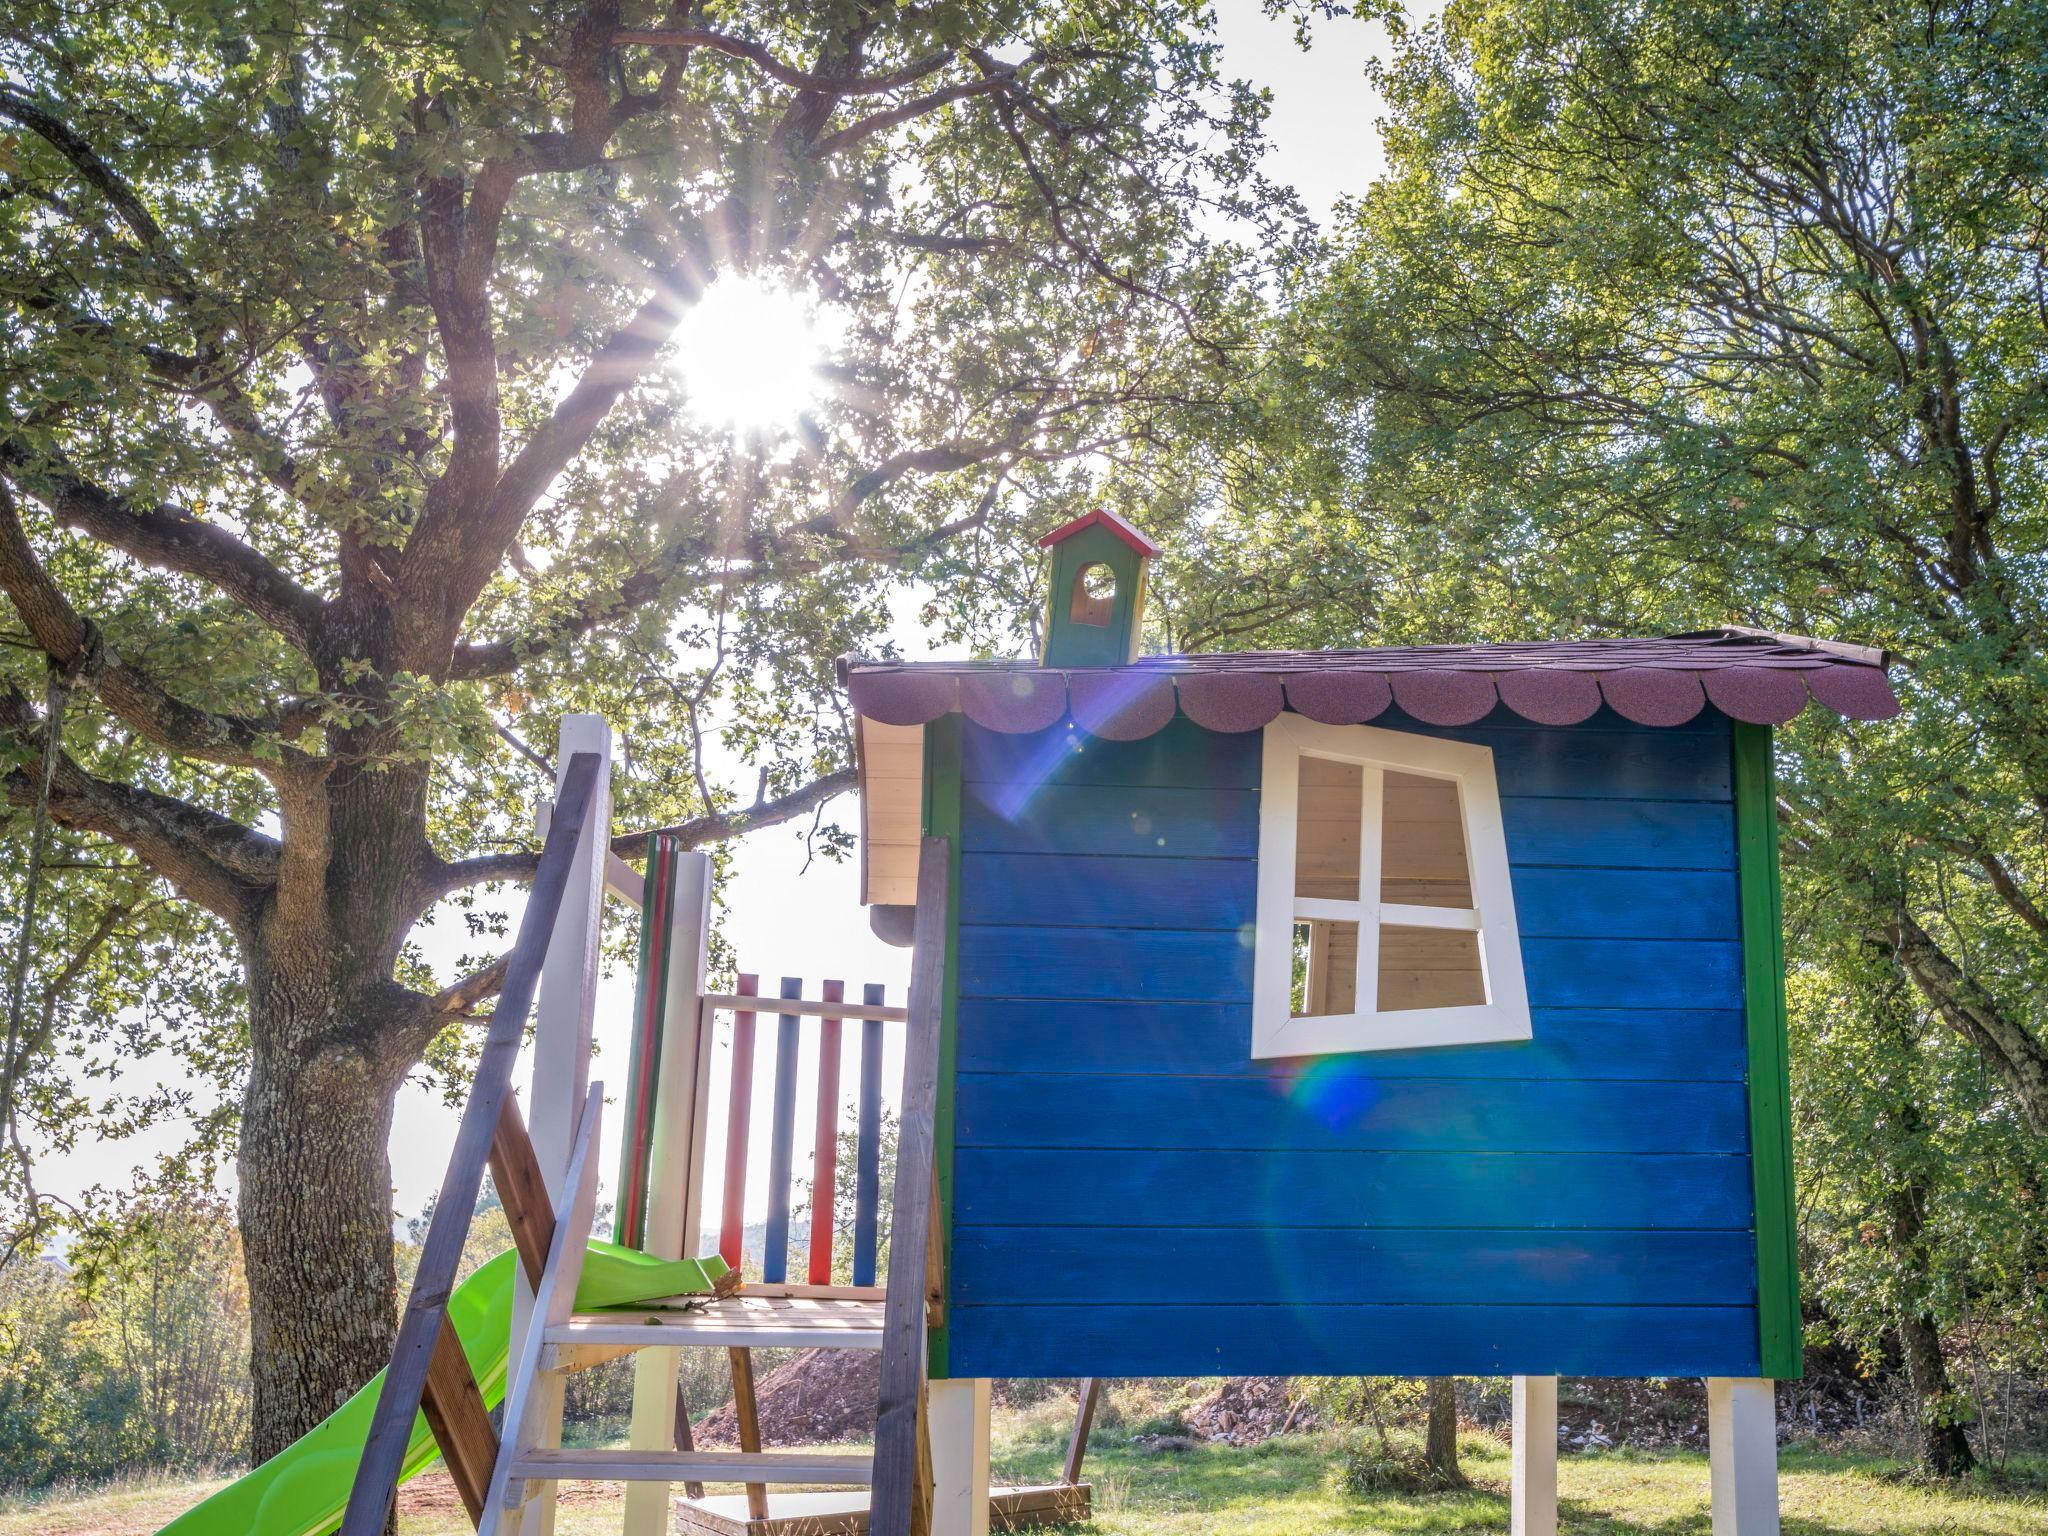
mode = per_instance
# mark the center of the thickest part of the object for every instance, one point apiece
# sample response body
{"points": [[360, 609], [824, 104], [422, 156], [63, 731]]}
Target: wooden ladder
{"points": [[498, 1481]]}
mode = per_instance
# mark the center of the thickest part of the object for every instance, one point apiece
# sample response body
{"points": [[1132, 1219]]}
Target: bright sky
{"points": [[779, 916]]}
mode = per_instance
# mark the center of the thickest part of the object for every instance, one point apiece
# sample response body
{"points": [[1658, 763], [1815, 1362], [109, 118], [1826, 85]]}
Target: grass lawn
{"points": [[1286, 1487]]}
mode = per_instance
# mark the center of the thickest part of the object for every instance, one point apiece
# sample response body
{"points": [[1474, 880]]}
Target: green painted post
{"points": [[1770, 1083], [942, 755]]}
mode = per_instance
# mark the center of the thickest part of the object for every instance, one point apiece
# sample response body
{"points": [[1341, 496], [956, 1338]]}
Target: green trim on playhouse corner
{"points": [[1770, 1085], [942, 755], [657, 942]]}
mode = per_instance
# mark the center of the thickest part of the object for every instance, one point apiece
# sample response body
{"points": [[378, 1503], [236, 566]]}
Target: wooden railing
{"points": [[792, 1041], [429, 1374], [901, 1501]]}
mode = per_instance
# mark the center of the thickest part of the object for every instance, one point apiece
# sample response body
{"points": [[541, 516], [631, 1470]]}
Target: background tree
{"points": [[134, 1355], [338, 433], [1675, 315], [1440, 1433]]}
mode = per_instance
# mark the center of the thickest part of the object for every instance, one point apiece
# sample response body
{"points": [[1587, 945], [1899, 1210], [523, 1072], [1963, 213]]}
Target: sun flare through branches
{"points": [[751, 355]]}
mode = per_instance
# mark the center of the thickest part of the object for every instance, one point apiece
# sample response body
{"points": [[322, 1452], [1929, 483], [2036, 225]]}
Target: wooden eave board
{"points": [[891, 803]]}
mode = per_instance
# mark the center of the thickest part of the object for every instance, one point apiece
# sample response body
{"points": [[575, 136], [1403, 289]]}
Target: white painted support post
{"points": [[1742, 1454], [1532, 1479], [562, 1017], [674, 1182], [957, 1412]]}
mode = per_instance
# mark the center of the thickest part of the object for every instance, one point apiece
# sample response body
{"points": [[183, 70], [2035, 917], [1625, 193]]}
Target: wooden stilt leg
{"points": [[746, 1411], [686, 1440], [1532, 1479], [922, 1486], [1742, 1455], [959, 1440]]}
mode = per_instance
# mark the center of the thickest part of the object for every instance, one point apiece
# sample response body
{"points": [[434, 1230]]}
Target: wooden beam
{"points": [[782, 1138], [426, 1308], [532, 1407], [901, 1502], [1779, 1329], [746, 1412], [825, 1008], [732, 1221], [521, 1189], [867, 1155], [686, 1442], [1742, 1455], [1084, 1422], [455, 1412]]}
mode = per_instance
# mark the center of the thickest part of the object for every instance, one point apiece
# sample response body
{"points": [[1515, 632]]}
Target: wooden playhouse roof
{"points": [[1748, 674]]}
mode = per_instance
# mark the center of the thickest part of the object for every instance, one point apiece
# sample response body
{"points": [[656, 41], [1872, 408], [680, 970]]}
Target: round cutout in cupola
{"points": [[1094, 600]]}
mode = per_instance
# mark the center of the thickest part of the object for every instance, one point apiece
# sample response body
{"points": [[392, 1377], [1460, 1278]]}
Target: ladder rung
{"points": [[695, 1466]]}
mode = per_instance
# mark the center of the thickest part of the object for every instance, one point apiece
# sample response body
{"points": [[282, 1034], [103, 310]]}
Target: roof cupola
{"points": [[1097, 591]]}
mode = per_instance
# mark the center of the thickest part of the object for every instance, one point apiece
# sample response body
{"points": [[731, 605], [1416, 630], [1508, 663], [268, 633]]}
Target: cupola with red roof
{"points": [[1097, 591]]}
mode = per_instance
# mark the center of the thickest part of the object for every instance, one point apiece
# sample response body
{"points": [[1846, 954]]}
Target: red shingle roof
{"points": [[1747, 674]]}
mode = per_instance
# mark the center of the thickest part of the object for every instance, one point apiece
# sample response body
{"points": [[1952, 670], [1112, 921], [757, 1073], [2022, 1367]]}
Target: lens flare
{"points": [[751, 355]]}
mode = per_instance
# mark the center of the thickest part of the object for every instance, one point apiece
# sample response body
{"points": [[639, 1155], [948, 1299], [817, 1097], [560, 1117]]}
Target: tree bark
{"points": [[315, 1206], [1440, 1444], [1944, 1440], [1944, 1437]]}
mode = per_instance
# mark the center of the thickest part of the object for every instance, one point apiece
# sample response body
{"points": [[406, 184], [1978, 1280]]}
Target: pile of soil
{"points": [[821, 1397], [1244, 1410]]}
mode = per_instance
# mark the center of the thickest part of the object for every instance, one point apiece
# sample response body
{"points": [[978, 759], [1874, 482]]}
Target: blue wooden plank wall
{"points": [[1133, 1195]]}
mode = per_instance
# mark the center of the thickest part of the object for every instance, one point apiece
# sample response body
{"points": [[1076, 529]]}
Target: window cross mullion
{"points": [[1371, 829]]}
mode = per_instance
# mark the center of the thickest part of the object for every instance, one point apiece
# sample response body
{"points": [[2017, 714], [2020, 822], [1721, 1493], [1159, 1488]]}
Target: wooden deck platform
{"points": [[845, 1513], [741, 1321]]}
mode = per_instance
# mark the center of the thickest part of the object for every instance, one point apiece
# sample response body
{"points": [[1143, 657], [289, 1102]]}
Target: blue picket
{"points": [[781, 1146], [867, 1182]]}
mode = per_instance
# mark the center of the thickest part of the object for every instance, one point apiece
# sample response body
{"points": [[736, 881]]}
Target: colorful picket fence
{"points": [[803, 1027]]}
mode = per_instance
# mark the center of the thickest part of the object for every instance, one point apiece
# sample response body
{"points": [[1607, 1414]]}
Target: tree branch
{"points": [[759, 56], [212, 860], [94, 169], [517, 866], [74, 645], [169, 538], [2006, 1043], [722, 826]]}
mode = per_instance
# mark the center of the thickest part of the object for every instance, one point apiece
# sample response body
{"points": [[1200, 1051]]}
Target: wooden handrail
{"points": [[822, 1008], [485, 1125], [900, 1502]]}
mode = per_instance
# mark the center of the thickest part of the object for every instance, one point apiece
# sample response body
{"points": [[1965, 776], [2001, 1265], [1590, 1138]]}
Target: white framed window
{"points": [[1386, 918]]}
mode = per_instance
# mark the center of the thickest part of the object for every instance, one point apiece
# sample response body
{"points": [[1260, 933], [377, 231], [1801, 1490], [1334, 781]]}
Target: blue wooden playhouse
{"points": [[1394, 1011]]}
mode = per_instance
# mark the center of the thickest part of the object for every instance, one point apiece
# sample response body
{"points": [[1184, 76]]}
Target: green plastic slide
{"points": [[303, 1490]]}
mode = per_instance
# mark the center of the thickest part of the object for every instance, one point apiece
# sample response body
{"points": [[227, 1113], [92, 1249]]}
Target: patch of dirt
{"points": [[1243, 1410], [822, 1397], [433, 1493]]}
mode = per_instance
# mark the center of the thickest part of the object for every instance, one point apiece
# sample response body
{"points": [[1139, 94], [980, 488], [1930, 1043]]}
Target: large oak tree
{"points": [[340, 450]]}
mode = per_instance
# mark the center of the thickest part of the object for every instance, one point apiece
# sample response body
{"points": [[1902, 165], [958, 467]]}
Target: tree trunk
{"points": [[315, 1206], [1440, 1447], [1944, 1441]]}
